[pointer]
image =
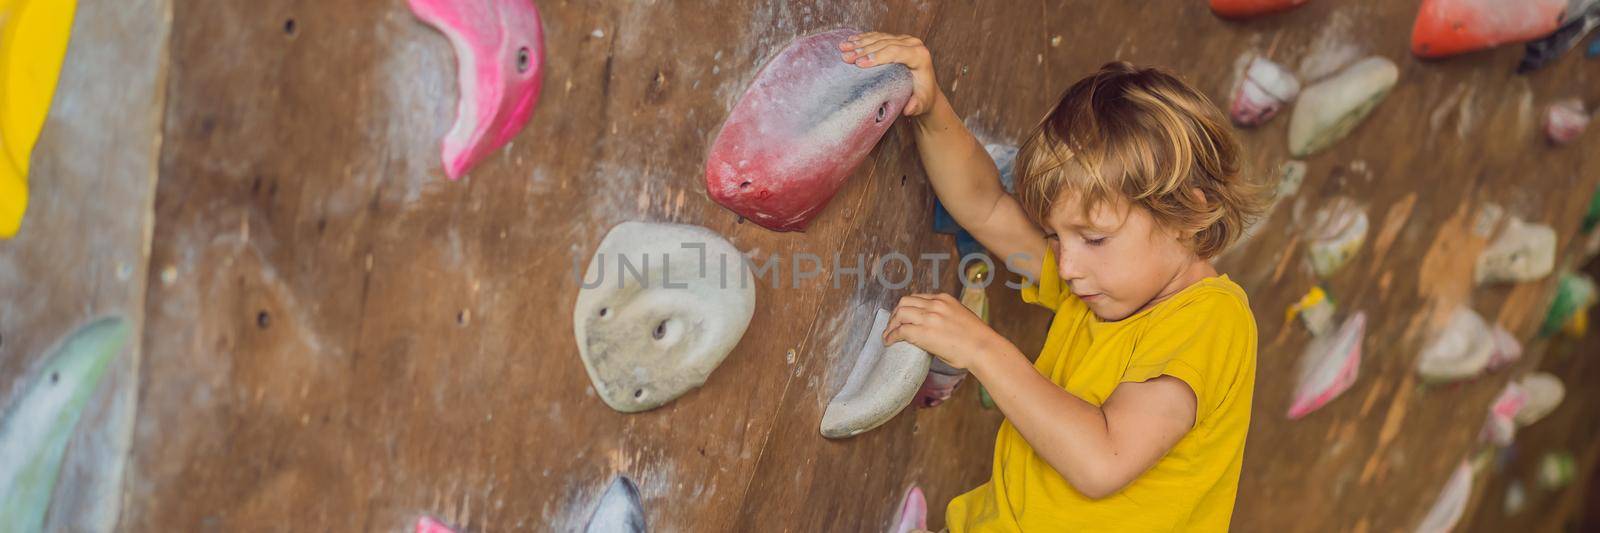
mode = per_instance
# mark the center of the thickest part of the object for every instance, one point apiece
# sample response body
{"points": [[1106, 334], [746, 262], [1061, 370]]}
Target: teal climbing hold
{"points": [[38, 423]]}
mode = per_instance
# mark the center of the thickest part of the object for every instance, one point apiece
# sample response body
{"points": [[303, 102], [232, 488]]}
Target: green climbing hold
{"points": [[39, 422], [983, 396], [1574, 294], [1592, 218]]}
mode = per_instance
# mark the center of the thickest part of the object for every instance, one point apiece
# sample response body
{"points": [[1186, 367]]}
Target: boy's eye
{"points": [[1095, 242]]}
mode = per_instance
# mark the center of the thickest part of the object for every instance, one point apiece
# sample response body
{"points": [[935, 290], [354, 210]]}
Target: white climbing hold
{"points": [[1290, 175], [1461, 350], [1329, 366], [881, 383], [1448, 509], [1523, 252], [1330, 109], [1507, 349], [660, 307], [1336, 233], [619, 510], [1565, 120], [1516, 498], [1265, 88], [1544, 391]]}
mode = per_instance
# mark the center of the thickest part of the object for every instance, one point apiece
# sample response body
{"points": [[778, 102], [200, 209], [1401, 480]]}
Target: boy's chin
{"points": [[1109, 312]]}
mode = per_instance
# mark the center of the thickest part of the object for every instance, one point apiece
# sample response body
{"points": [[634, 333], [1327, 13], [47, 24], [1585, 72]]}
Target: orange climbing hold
{"points": [[1450, 27], [1251, 8]]}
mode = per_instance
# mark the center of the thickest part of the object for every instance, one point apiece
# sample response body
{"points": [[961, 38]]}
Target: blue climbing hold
{"points": [[1594, 49]]}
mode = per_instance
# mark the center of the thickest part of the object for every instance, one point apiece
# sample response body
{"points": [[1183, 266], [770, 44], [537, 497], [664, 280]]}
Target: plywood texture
{"points": [[340, 339], [81, 251]]}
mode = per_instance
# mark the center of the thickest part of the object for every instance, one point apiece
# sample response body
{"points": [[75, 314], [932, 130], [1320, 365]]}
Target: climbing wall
{"points": [[331, 334]]}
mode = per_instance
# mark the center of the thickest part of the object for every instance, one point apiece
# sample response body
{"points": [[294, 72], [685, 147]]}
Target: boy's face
{"points": [[1119, 260]]}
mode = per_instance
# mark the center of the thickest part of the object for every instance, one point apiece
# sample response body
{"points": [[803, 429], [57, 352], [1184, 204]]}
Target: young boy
{"points": [[1134, 416]]}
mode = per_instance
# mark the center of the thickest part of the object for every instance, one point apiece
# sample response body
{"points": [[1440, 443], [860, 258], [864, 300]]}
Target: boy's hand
{"points": [[872, 49], [940, 325]]}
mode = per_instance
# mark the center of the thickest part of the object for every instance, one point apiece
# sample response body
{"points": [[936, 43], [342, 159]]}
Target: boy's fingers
{"points": [[901, 333]]}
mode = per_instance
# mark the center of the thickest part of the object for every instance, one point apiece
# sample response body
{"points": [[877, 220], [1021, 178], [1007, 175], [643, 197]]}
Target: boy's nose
{"points": [[1068, 269]]}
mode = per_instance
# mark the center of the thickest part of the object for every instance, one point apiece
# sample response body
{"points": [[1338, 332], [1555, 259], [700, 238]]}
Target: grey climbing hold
{"points": [[1463, 349], [1544, 393], [1290, 175], [1451, 505], [1337, 232], [662, 305], [40, 421], [881, 383], [1330, 109], [1523, 252], [619, 510]]}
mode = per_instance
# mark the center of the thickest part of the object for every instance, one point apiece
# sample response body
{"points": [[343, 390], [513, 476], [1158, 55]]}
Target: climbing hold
{"points": [[913, 512], [427, 524], [1336, 233], [1565, 120], [1574, 294], [1290, 175], [39, 422], [1591, 218], [1546, 50], [1544, 393], [1501, 428], [1316, 310], [1507, 349], [1594, 49], [679, 302], [1463, 349], [499, 47], [1251, 8], [1329, 366], [1556, 470], [1516, 498], [1450, 27], [881, 383], [33, 42], [1005, 159], [1448, 509], [619, 510], [940, 383], [1523, 252], [1265, 89], [801, 128], [1330, 109]]}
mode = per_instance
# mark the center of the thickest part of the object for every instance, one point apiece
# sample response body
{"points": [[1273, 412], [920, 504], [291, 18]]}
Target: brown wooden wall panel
{"points": [[339, 338]]}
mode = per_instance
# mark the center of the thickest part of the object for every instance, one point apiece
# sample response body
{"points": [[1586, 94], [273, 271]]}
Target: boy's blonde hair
{"points": [[1168, 140]]}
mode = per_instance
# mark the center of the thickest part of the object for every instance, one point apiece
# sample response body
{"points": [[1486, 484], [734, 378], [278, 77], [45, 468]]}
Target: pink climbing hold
{"points": [[801, 128], [1265, 89], [426, 524], [1329, 366], [913, 512], [1566, 120], [499, 48]]}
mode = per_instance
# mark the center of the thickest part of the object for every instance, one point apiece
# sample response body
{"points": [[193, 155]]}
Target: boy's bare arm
{"points": [[1099, 450], [963, 175], [968, 184]]}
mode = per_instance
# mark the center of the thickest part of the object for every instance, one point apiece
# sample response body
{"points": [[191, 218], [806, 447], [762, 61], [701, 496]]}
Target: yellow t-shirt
{"points": [[1205, 336]]}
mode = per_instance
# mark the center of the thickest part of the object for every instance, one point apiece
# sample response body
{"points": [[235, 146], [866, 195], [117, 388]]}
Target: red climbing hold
{"points": [[427, 524], [1249, 8], [800, 130], [1450, 27]]}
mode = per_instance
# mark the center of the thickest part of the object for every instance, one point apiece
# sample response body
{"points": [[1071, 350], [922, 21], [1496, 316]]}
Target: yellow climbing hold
{"points": [[973, 296], [33, 41], [1313, 297]]}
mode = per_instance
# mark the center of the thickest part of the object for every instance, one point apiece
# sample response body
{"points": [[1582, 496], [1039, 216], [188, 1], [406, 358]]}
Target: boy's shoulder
{"points": [[1210, 300]]}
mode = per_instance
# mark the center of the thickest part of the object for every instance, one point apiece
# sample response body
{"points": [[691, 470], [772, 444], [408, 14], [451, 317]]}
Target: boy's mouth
{"points": [[1088, 297]]}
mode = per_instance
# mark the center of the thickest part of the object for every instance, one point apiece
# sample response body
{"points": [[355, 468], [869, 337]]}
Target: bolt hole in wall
{"points": [[263, 319], [288, 27]]}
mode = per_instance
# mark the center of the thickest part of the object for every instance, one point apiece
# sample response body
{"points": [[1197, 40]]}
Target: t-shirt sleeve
{"points": [[1046, 291], [1206, 343]]}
